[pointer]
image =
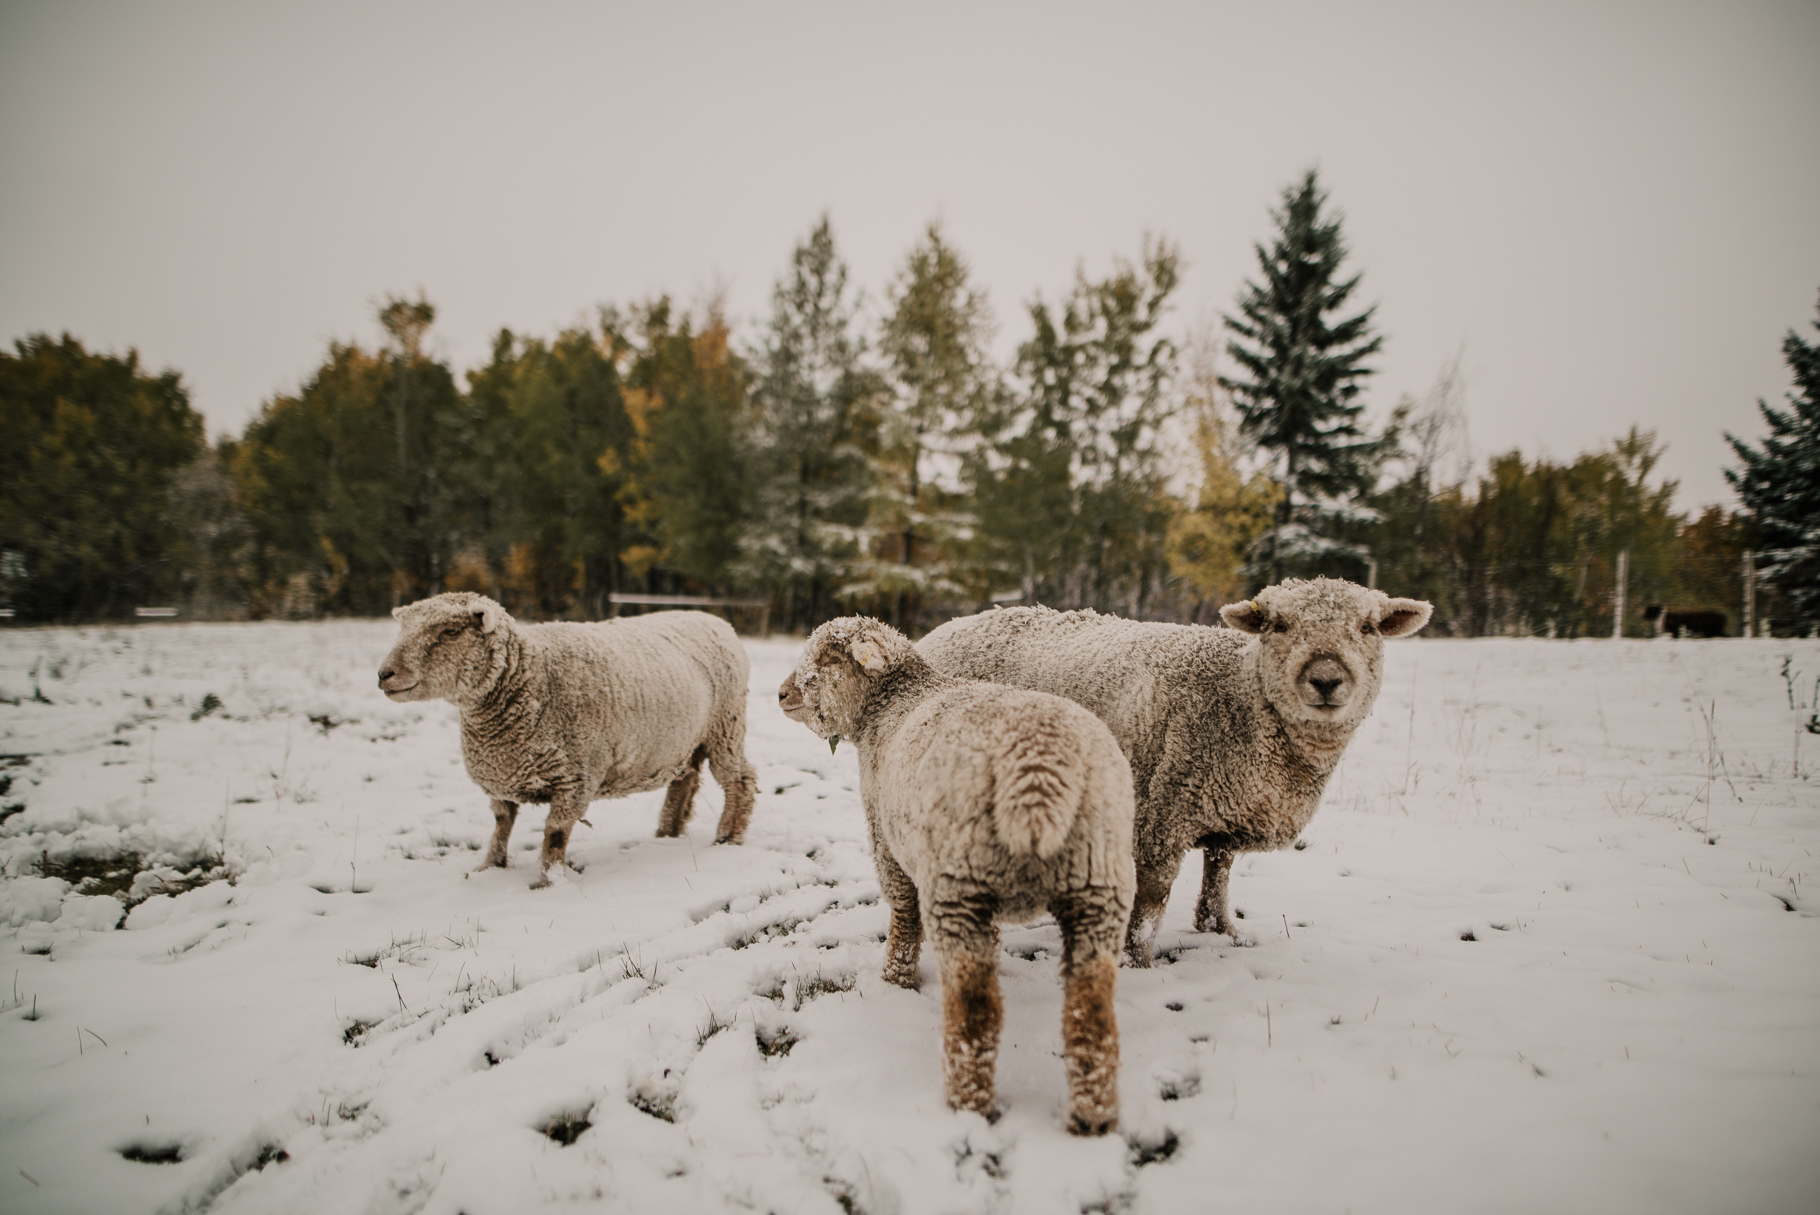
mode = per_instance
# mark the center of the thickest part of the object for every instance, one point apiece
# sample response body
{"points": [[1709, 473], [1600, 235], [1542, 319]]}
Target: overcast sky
{"points": [[1614, 209]]}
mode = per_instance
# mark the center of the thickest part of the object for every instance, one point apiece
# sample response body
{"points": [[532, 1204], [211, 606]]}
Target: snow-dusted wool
{"points": [[984, 804], [1231, 733], [566, 714]]}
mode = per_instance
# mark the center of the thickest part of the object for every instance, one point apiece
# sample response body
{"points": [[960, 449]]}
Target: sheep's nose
{"points": [[386, 674], [1325, 686]]}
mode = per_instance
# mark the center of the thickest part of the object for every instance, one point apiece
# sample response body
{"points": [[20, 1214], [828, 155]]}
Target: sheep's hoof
{"points": [[541, 883], [1095, 1124], [1138, 955], [901, 976], [490, 863]]}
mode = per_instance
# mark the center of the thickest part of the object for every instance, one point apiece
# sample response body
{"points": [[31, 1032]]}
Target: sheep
{"points": [[567, 714], [984, 805], [1231, 733]]}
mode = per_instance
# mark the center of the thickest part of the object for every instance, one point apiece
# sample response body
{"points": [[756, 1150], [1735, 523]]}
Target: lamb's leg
{"points": [[905, 944], [1210, 913], [679, 801], [1091, 924], [566, 808], [738, 781], [504, 815], [972, 1014], [1155, 875]]}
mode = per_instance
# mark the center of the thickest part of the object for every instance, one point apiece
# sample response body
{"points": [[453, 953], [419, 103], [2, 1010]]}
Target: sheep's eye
{"points": [[452, 632], [1368, 628]]}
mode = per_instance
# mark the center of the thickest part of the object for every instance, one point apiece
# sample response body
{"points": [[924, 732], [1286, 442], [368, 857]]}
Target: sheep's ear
{"points": [[398, 613], [1244, 616], [870, 657], [1405, 616], [488, 615]]}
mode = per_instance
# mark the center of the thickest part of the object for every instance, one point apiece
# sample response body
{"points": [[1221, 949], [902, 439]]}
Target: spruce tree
{"points": [[1069, 484], [1779, 484], [1302, 366], [817, 434], [938, 378]]}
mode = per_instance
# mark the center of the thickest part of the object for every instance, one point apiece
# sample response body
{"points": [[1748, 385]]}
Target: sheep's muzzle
{"points": [[1324, 683]]}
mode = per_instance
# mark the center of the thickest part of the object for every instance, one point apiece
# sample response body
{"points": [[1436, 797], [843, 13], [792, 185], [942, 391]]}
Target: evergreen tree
{"points": [[817, 436], [552, 445], [93, 445], [350, 486], [1302, 365], [1069, 485], [939, 378], [1779, 484], [688, 482]]}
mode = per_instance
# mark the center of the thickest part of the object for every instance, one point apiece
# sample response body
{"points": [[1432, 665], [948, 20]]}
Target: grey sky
{"points": [[1616, 208]]}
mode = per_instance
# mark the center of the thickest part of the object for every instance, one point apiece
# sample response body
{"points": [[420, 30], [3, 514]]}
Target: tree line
{"points": [[846, 458]]}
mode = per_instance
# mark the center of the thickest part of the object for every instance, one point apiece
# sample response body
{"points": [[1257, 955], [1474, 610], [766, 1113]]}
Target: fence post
{"points": [[1371, 574], [1617, 603], [1750, 593]]}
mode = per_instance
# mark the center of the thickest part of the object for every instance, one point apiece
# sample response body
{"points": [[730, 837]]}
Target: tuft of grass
{"points": [[270, 1153], [152, 1153], [1144, 1152], [661, 1106], [211, 703], [820, 984], [776, 1045], [352, 1034], [565, 1129], [1175, 1088], [117, 874]]}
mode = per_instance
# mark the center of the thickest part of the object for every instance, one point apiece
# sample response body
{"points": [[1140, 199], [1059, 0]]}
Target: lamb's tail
{"points": [[1040, 783]]}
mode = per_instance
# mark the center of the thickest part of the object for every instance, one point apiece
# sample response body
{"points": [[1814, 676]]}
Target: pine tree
{"points": [[817, 436], [1302, 366], [1779, 484], [1069, 484], [938, 379]]}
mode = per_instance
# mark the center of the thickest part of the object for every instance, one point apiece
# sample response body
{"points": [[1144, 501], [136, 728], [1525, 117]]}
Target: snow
{"points": [[359, 1023]]}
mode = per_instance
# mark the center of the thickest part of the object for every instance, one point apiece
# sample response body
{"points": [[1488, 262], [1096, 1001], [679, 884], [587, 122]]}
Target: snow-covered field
{"points": [[1550, 946]]}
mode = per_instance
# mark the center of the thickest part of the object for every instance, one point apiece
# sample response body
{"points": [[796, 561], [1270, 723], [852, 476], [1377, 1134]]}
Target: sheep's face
{"points": [[442, 640], [840, 664], [1321, 645]]}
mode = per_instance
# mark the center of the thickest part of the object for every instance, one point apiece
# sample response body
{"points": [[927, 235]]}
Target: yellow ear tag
{"points": [[868, 656]]}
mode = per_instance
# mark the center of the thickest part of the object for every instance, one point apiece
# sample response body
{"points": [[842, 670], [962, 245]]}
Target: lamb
{"points": [[566, 714], [984, 804], [1231, 733]]}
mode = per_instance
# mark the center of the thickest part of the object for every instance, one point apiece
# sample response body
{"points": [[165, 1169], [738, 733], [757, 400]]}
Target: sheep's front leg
{"points": [[972, 1013], [679, 801], [566, 808], [1091, 924], [904, 946], [1210, 913], [504, 815], [1155, 875]]}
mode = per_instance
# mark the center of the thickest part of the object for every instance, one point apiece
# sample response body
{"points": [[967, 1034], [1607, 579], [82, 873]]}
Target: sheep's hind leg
{"points": [[1154, 878], [679, 802], [1091, 924], [966, 941], [504, 815], [1210, 911], [739, 782], [565, 810]]}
